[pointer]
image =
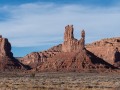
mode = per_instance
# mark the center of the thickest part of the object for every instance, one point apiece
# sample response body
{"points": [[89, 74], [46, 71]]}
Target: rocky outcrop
{"points": [[106, 49], [71, 44], [7, 61], [75, 62], [57, 48], [35, 58], [71, 55], [5, 47]]}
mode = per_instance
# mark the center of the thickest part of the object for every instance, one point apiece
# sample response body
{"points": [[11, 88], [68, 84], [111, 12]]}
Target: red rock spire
{"points": [[71, 44], [68, 32], [83, 36]]}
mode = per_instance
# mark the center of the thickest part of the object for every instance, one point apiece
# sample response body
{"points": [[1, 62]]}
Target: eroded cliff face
{"points": [[71, 44], [35, 58], [71, 55], [7, 61], [106, 49], [5, 48]]}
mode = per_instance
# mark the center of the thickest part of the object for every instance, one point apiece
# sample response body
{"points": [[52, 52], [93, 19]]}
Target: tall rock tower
{"points": [[68, 35], [71, 44], [7, 61], [83, 37]]}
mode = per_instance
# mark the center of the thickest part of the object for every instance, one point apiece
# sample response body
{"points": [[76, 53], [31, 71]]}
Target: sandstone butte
{"points": [[7, 61], [72, 55]]}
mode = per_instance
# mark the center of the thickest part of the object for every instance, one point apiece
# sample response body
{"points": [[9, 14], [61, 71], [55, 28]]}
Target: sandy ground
{"points": [[59, 81]]}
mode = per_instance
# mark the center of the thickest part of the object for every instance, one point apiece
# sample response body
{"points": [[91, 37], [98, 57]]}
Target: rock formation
{"points": [[106, 49], [7, 61], [71, 44], [5, 47], [71, 55]]}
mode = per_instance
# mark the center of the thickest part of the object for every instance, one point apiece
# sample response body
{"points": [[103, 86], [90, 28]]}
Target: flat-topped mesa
{"points": [[71, 44]]}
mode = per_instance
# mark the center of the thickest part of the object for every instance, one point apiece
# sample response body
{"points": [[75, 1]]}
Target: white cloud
{"points": [[38, 24]]}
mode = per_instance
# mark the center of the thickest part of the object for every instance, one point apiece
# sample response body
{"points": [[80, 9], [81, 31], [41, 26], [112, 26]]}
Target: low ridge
{"points": [[106, 49]]}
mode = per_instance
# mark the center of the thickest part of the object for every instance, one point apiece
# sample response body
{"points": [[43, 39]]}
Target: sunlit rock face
{"points": [[71, 55], [71, 44], [5, 47], [7, 61], [106, 49]]}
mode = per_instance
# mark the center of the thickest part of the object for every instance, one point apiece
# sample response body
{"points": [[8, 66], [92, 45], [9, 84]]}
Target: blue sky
{"points": [[36, 25], [85, 2]]}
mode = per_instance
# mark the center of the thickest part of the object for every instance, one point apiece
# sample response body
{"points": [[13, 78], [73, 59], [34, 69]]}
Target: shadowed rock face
{"points": [[5, 48], [7, 61], [106, 49], [74, 61], [71, 55]]}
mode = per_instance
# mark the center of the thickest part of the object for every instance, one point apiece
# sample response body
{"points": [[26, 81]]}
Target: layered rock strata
{"points": [[71, 44], [7, 61], [71, 55], [106, 49]]}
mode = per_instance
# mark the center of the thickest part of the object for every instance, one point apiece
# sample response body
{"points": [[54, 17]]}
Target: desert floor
{"points": [[59, 81]]}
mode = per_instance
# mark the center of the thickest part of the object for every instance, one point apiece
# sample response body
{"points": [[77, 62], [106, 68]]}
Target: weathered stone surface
{"points": [[7, 61], [71, 44], [73, 61], [36, 58], [106, 49], [71, 55], [57, 48], [5, 48]]}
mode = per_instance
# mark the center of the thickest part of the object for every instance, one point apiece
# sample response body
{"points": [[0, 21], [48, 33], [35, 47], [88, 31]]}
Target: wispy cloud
{"points": [[35, 24]]}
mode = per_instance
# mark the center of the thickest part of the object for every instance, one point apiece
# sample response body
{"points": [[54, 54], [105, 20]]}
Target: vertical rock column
{"points": [[68, 38], [82, 40], [68, 35], [71, 44]]}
